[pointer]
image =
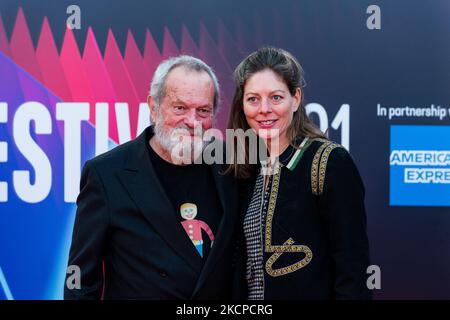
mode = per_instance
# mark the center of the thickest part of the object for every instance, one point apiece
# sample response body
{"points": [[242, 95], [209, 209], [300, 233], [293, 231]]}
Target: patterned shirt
{"points": [[254, 224]]}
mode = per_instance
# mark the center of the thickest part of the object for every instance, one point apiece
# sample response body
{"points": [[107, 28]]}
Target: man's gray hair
{"points": [[158, 85]]}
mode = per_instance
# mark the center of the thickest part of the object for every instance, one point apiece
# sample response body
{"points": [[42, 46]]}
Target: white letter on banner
{"points": [[72, 113], [37, 112]]}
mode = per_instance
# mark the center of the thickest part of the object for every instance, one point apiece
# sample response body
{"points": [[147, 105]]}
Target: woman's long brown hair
{"points": [[287, 67]]}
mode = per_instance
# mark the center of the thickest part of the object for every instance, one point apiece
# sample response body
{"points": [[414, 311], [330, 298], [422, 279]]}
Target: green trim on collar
{"points": [[298, 154]]}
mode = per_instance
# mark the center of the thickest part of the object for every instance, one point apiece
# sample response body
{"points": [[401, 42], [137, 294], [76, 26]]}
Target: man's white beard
{"points": [[182, 147]]}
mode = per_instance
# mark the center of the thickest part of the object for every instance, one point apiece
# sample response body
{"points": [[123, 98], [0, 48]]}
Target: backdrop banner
{"points": [[75, 75]]}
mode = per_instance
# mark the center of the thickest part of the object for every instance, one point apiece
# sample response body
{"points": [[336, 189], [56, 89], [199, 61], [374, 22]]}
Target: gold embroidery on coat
{"points": [[319, 166], [288, 246], [315, 168], [323, 165]]}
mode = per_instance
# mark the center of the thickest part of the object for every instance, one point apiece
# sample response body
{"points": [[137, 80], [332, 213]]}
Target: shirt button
{"points": [[163, 274]]}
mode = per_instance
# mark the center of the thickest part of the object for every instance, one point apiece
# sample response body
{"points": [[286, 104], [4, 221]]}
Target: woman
{"points": [[304, 225]]}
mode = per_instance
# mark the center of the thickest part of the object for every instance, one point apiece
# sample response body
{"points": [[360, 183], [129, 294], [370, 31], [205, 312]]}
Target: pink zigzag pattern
{"points": [[93, 77]]}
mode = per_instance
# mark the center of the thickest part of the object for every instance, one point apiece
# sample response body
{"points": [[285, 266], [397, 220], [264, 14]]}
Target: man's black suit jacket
{"points": [[128, 241]]}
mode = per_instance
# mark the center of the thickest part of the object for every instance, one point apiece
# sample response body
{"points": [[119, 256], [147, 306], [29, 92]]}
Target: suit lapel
{"points": [[140, 179], [226, 190]]}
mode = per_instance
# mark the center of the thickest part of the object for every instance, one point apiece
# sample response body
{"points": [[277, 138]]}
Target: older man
{"points": [[152, 226]]}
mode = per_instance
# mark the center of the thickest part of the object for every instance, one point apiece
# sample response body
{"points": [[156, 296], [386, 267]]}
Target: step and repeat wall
{"points": [[74, 77]]}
